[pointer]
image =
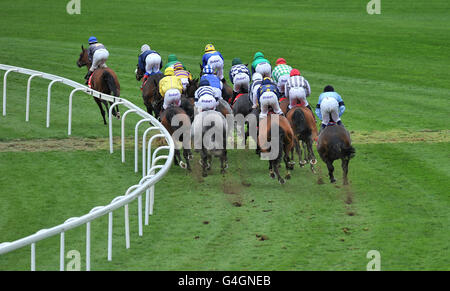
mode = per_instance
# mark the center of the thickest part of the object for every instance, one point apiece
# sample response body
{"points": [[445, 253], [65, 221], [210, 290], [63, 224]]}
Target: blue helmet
{"points": [[203, 82], [92, 39], [208, 70]]}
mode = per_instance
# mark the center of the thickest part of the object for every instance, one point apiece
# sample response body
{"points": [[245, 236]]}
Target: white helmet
{"points": [[144, 48], [257, 77]]}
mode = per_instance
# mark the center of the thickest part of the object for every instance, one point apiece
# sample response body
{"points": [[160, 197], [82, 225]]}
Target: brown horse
{"points": [[150, 93], [334, 143], [284, 105], [103, 80], [304, 126], [172, 126], [284, 141]]}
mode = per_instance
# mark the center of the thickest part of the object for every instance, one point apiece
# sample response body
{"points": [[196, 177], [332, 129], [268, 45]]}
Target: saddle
{"points": [[236, 98]]}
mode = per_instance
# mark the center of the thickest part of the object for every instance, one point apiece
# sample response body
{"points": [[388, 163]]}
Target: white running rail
{"points": [[151, 171]]}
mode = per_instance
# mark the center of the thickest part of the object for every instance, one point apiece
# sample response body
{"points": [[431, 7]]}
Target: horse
{"points": [[244, 106], [150, 93], [334, 143], [284, 105], [305, 130], [209, 132], [285, 143], [103, 80], [167, 117]]}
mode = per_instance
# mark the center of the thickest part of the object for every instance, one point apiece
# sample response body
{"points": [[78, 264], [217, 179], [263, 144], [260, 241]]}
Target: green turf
{"points": [[390, 69]]}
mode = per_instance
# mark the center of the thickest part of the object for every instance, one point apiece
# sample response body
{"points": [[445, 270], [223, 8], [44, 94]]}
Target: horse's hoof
{"points": [[190, 157], [223, 171], [204, 175], [183, 165], [118, 115], [282, 181], [333, 181], [313, 161], [288, 176], [272, 175]]}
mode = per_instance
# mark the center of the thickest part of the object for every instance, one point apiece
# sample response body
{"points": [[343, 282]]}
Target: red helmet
{"points": [[280, 61], [295, 72]]}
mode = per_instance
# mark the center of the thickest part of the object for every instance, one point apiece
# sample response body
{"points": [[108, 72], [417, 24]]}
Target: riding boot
{"points": [[340, 123]]}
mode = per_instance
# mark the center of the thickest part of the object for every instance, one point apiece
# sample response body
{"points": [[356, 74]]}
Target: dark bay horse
{"points": [[305, 130], [209, 135], [150, 93], [174, 120], [334, 143], [284, 141], [103, 80]]}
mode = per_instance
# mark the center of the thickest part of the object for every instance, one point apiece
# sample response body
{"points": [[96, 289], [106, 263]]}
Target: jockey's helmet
{"points": [[328, 88], [145, 48], [281, 61], [295, 72], [208, 70], [209, 47], [92, 40], [236, 61], [168, 71], [177, 66]]}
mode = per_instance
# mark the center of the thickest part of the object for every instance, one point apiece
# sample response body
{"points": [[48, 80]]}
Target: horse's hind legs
{"points": [[311, 157], [187, 156], [271, 173], [102, 111], [276, 167], [345, 162], [204, 163], [223, 162], [177, 159], [330, 171]]}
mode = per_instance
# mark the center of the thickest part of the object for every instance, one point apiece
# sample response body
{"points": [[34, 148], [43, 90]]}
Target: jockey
{"points": [[149, 61], [256, 83], [204, 97], [239, 77], [170, 88], [171, 60], [97, 54], [261, 65], [297, 89], [268, 95], [214, 59], [214, 81], [330, 104], [180, 72], [281, 73]]}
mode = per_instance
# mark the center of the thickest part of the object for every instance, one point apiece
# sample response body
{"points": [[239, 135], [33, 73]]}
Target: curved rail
{"points": [[151, 171]]}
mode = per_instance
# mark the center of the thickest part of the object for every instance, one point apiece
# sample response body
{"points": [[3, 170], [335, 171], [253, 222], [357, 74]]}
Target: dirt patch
{"points": [[66, 144], [397, 136]]}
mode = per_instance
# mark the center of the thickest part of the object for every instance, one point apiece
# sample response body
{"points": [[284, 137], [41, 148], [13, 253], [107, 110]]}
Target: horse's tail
{"points": [[301, 126], [111, 83], [346, 150]]}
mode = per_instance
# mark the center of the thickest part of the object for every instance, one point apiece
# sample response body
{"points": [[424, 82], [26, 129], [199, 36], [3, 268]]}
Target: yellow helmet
{"points": [[169, 71], [209, 47]]}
